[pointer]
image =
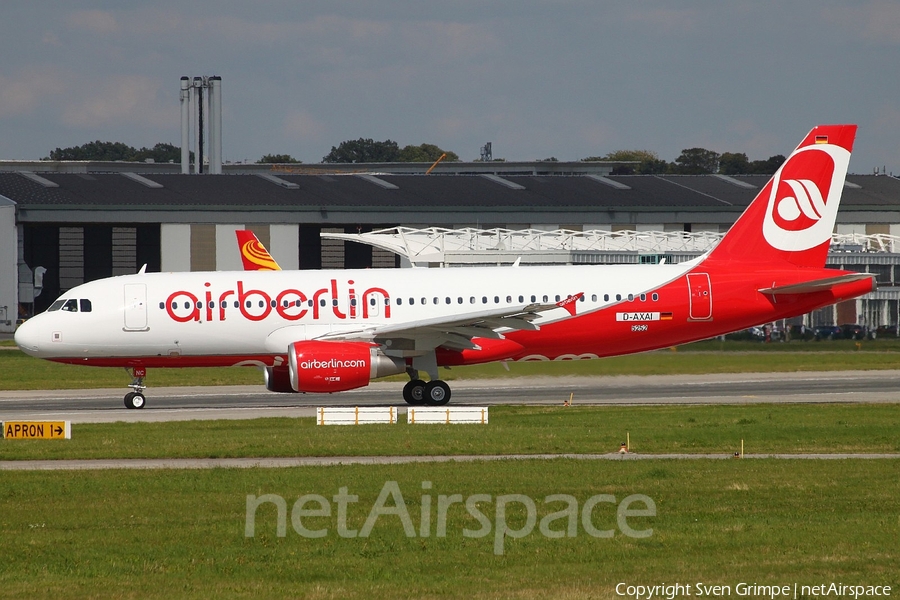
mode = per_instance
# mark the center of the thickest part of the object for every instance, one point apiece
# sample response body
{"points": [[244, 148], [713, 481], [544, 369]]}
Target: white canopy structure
{"points": [[439, 246]]}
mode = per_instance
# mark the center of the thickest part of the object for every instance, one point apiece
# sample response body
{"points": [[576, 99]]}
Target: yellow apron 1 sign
{"points": [[37, 430]]}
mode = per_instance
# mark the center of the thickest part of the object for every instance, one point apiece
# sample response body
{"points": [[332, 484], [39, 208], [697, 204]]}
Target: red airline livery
{"points": [[329, 331]]}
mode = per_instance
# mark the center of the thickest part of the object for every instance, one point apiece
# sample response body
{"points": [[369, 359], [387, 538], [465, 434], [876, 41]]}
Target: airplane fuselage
{"points": [[229, 318]]}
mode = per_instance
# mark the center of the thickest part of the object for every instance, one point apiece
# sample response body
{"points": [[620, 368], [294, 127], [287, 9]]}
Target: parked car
{"points": [[828, 332], [886, 331], [852, 331]]}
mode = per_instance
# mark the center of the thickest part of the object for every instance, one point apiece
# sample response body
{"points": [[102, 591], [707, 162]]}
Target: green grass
{"points": [[22, 372], [780, 428], [176, 534]]}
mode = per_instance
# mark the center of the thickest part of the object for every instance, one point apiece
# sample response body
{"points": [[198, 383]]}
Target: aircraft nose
{"points": [[28, 337]]}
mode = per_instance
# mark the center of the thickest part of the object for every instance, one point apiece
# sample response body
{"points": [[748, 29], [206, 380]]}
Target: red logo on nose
{"points": [[802, 191]]}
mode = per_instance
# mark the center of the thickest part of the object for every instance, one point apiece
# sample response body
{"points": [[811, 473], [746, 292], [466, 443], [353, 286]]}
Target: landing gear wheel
{"points": [[437, 393], [134, 400], [414, 392]]}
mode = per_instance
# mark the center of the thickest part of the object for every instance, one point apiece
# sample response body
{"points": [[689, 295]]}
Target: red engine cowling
{"points": [[317, 366]]}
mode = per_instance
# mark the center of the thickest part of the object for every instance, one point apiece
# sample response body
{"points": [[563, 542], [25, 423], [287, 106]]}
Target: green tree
{"points": [[695, 161], [97, 150], [363, 151], [768, 166], [159, 153], [278, 159], [112, 151], [650, 162], [734, 163], [424, 153]]}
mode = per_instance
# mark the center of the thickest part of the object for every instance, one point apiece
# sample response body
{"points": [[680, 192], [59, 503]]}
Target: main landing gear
{"points": [[418, 392], [135, 399]]}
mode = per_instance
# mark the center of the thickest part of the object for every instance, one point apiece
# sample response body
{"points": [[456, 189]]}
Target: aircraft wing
{"points": [[453, 333]]}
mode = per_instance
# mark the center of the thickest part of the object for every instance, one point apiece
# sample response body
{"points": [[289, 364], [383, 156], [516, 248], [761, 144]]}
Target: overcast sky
{"points": [[537, 78]]}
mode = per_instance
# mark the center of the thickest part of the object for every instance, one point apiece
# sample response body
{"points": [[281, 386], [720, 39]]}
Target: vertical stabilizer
{"points": [[793, 217], [253, 254]]}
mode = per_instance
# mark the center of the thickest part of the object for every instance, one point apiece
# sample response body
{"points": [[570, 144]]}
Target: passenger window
{"points": [[399, 301], [643, 297], [533, 298], [618, 297], [70, 306], [496, 299], [655, 296], [521, 298], [547, 298], [557, 297], [606, 297], [593, 297], [631, 297], [509, 299]]}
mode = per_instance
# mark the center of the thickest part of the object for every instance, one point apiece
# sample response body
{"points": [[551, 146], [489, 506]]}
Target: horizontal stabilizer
{"points": [[818, 285]]}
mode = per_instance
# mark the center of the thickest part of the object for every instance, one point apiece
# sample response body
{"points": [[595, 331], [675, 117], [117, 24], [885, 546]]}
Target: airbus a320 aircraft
{"points": [[329, 331]]}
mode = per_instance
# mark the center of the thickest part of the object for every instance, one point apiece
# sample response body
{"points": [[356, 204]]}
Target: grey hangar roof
{"points": [[410, 199]]}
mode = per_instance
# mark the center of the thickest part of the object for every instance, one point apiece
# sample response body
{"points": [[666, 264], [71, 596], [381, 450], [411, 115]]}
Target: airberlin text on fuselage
{"points": [[289, 304]]}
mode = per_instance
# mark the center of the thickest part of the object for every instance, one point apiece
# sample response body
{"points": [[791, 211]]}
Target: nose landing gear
{"points": [[135, 399]]}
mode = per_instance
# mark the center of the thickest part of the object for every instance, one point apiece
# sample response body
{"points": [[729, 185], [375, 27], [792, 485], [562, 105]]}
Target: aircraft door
{"points": [[700, 308], [136, 307]]}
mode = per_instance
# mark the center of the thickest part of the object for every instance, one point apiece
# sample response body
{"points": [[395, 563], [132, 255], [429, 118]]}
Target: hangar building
{"points": [[78, 221]]}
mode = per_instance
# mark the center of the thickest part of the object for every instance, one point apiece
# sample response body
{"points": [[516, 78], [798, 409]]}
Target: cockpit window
{"points": [[85, 305], [56, 305], [71, 305]]}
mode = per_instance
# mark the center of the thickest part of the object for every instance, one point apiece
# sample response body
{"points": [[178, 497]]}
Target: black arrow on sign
{"points": [[58, 430]]}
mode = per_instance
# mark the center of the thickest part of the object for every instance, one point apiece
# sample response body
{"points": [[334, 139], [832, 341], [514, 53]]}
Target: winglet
{"points": [[569, 303], [253, 254]]}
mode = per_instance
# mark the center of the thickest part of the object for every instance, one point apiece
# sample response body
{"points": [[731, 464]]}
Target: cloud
{"points": [[93, 21], [132, 100], [25, 93], [877, 22], [301, 124]]}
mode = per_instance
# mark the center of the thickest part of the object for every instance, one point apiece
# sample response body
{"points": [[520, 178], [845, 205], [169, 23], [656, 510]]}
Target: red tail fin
{"points": [[253, 253], [793, 216]]}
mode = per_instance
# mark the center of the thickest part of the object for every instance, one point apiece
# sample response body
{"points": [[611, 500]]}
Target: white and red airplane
{"points": [[329, 331]]}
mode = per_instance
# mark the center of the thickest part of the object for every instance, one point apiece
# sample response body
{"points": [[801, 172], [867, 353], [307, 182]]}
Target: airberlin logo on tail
{"points": [[804, 198]]}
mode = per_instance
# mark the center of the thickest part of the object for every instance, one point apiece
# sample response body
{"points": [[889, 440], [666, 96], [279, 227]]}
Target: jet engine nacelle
{"points": [[317, 366], [278, 379]]}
